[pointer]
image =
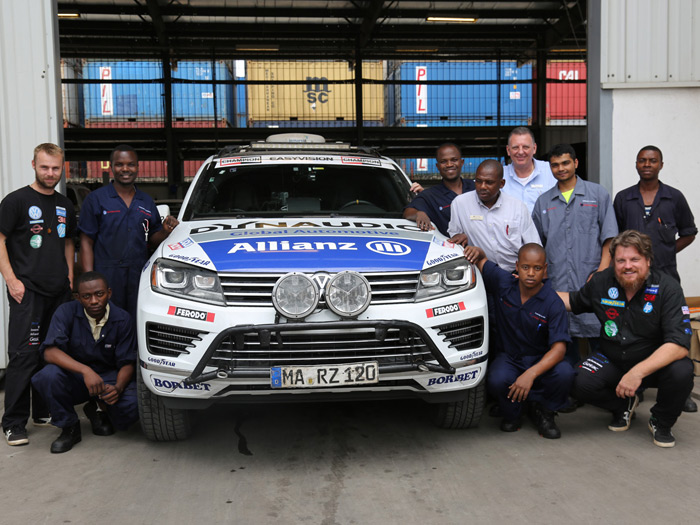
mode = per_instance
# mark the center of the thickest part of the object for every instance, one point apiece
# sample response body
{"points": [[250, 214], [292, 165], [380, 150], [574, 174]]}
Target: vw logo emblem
{"points": [[389, 247], [321, 279]]}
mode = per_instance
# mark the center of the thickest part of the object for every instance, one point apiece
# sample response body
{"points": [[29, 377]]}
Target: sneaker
{"points": [[621, 420], [662, 435], [42, 422], [16, 436], [544, 419]]}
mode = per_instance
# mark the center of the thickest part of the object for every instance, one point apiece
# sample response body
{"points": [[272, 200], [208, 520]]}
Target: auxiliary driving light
{"points": [[348, 294], [295, 295]]}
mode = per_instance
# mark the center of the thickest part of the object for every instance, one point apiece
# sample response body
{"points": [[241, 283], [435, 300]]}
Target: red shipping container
{"points": [[566, 100]]}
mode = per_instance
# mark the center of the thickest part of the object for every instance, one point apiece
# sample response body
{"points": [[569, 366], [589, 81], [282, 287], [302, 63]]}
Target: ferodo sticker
{"points": [[237, 161], [447, 309], [360, 160], [191, 314]]}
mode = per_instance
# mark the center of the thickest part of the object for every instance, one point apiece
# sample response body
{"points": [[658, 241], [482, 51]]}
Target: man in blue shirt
{"points": [[433, 205], [532, 326], [118, 223], [90, 351]]}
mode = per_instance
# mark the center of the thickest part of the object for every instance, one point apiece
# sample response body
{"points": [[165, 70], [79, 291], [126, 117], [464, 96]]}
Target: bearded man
{"points": [[644, 340]]}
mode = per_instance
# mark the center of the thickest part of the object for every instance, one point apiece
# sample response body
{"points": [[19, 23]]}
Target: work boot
{"points": [[544, 420], [69, 436], [99, 420], [690, 405], [511, 426]]}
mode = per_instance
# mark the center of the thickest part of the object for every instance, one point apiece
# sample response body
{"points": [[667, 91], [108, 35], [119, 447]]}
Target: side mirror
{"points": [[163, 211]]}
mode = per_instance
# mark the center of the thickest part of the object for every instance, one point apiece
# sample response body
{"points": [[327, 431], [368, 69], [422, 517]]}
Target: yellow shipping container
{"points": [[315, 99]]}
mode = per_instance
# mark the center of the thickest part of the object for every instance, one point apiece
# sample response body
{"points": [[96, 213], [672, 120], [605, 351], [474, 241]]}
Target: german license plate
{"points": [[324, 376]]}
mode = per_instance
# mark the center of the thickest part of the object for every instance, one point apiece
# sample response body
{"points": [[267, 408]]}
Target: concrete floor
{"points": [[358, 463]]}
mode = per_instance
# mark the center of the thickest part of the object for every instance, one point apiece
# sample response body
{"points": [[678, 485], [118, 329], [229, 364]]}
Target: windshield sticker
{"points": [[360, 161], [237, 161]]}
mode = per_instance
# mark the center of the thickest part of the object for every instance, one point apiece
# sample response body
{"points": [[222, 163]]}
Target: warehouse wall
{"points": [[667, 118], [30, 110]]}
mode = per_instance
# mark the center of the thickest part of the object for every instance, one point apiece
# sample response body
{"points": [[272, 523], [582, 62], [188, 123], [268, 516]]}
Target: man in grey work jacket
{"points": [[576, 223]]}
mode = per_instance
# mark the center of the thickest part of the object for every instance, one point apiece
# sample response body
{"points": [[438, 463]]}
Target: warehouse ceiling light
{"points": [[454, 19], [68, 15], [257, 47], [416, 50]]}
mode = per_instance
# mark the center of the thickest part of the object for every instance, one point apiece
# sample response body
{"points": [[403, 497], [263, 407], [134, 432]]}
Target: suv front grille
{"points": [[170, 340], [463, 335], [255, 289], [393, 346]]}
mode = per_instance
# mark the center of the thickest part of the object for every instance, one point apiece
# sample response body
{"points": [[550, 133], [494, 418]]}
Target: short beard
{"points": [[42, 184], [634, 286]]}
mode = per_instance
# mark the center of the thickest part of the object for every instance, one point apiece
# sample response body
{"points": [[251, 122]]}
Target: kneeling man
{"points": [[90, 351], [644, 340], [532, 324]]}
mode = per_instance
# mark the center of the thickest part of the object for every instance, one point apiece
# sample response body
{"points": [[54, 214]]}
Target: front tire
{"points": [[158, 422], [462, 414]]}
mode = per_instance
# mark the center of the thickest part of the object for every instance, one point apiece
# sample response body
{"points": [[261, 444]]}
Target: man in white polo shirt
{"points": [[526, 178]]}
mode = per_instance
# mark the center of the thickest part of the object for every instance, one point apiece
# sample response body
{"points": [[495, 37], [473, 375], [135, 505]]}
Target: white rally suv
{"points": [[293, 277]]}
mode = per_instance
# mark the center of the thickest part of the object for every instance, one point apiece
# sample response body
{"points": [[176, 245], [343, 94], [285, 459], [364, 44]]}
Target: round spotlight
{"points": [[348, 294], [295, 295]]}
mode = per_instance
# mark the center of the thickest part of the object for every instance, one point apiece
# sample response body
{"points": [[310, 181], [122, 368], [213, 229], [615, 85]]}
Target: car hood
{"points": [[308, 244]]}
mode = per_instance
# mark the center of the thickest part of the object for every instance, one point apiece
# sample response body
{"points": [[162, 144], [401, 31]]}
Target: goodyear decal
{"points": [[310, 252], [610, 302]]}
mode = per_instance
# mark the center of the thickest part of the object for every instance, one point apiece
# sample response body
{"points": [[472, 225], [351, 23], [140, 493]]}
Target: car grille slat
{"points": [[463, 335], [255, 289], [320, 347], [170, 340]]}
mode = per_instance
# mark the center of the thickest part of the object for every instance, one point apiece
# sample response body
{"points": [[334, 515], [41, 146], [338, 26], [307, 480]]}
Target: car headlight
{"points": [[295, 295], [348, 294], [182, 280], [451, 277]]}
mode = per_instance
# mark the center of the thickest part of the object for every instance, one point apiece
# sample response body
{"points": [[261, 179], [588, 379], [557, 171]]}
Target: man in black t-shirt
{"points": [[644, 339], [37, 225]]}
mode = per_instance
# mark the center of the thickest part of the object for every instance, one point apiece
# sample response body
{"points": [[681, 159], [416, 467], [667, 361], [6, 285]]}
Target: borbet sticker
{"points": [[191, 314], [447, 309]]}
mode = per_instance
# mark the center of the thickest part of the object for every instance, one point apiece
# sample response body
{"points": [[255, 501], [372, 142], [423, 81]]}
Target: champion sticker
{"points": [[611, 313], [61, 230], [360, 160], [685, 310], [447, 309], [35, 241], [35, 212], [613, 293], [191, 314], [237, 161], [610, 302], [648, 308], [610, 328]]}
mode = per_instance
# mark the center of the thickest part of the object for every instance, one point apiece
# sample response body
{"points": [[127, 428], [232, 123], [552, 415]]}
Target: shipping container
{"points": [[418, 169], [136, 123], [149, 170], [566, 98], [315, 98], [142, 99], [455, 104], [72, 94], [311, 123], [195, 101]]}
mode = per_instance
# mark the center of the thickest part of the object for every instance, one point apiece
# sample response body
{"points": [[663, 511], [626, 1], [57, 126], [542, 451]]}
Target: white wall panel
{"points": [[650, 43], [30, 107]]}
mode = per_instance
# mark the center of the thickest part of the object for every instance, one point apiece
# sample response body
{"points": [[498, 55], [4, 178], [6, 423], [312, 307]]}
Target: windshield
{"points": [[298, 189]]}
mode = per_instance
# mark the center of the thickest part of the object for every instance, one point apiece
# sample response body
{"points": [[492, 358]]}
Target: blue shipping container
{"points": [[121, 101], [460, 105], [312, 123], [196, 101], [417, 168]]}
